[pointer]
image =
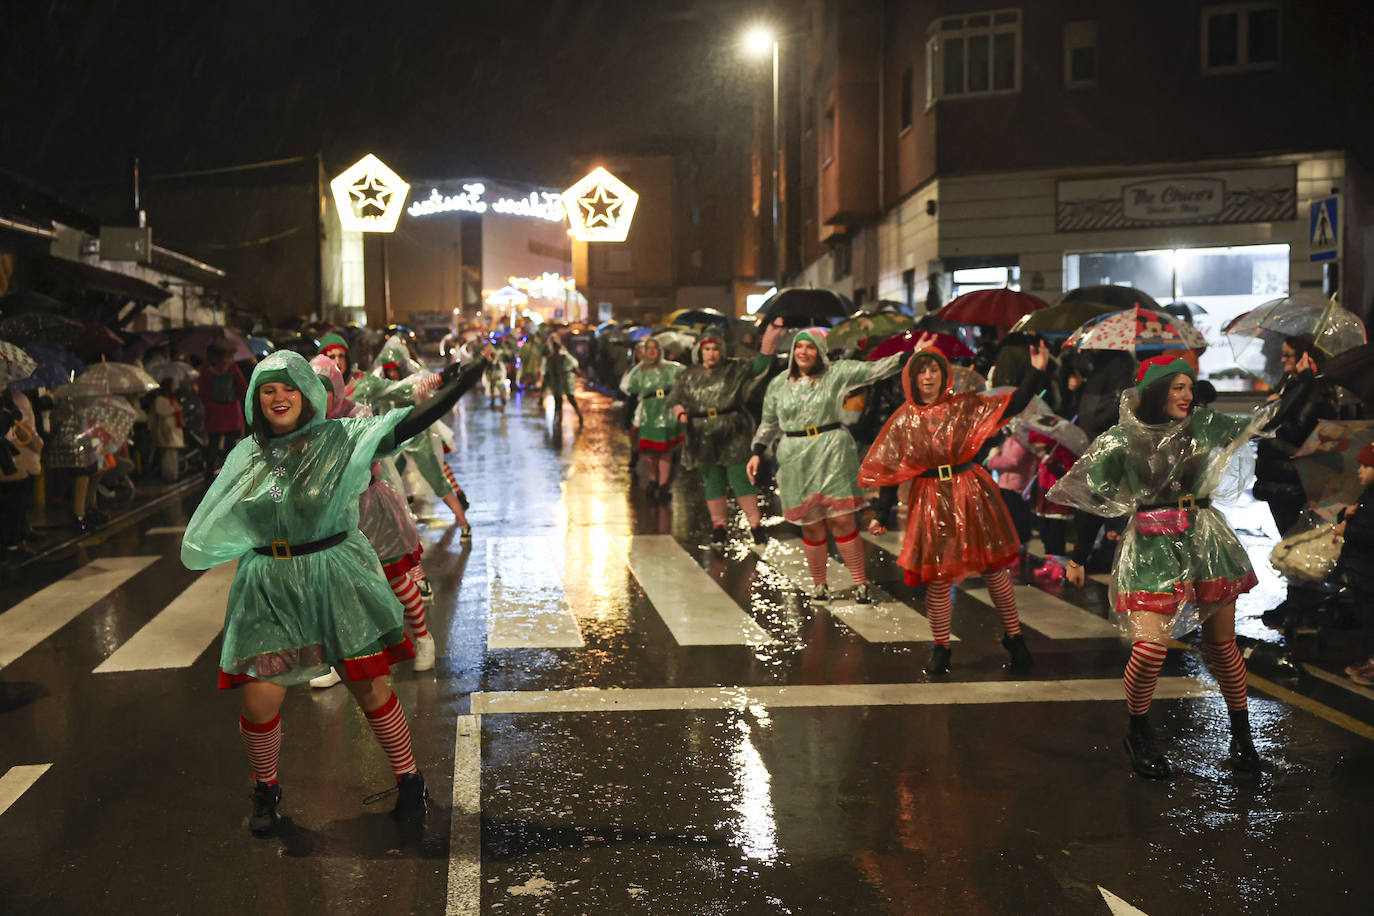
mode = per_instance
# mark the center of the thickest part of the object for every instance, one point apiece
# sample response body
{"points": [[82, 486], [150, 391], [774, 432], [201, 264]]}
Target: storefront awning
{"points": [[62, 272]]}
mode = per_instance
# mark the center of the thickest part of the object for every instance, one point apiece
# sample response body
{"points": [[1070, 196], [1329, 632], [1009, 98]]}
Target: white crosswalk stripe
{"points": [[696, 610], [1051, 616], [41, 615], [183, 630], [17, 781], [527, 607], [885, 620]]}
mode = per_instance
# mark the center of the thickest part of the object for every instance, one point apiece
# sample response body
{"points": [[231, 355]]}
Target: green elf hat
{"points": [[332, 340], [1158, 367]]}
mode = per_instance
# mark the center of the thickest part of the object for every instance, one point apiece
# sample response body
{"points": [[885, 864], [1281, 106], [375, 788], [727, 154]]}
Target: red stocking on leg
{"points": [[1142, 671], [262, 740], [403, 586], [1228, 667], [817, 555], [388, 723], [939, 609], [1004, 599], [852, 552]]}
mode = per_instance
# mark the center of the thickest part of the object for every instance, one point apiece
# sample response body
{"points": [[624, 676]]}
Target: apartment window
{"points": [[828, 135], [973, 55], [1240, 36], [1080, 54], [904, 116]]}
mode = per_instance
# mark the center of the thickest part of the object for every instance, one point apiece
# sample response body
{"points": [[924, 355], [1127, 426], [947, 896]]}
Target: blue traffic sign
{"points": [[1324, 242]]}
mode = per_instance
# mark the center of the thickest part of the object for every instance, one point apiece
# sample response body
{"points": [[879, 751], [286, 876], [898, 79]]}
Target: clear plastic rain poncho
{"points": [[384, 517], [817, 472], [723, 438], [288, 620], [425, 453], [1172, 559], [957, 524], [651, 383]]}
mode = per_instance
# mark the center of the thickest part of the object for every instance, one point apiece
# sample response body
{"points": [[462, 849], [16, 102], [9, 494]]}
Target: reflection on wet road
{"points": [[626, 718]]}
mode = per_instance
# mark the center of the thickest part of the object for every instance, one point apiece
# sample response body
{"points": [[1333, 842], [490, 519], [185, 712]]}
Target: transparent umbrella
{"points": [[1257, 336], [109, 378], [15, 364]]}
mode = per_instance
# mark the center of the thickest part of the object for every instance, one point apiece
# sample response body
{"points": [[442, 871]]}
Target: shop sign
{"points": [[1235, 196], [600, 207], [369, 196]]}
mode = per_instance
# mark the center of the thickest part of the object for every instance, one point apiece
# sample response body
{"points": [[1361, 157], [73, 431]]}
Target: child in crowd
{"points": [[1356, 564], [167, 431]]}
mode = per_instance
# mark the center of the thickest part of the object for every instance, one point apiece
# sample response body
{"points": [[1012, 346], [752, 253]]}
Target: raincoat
{"points": [[383, 395], [659, 430], [558, 373], [1171, 557], [719, 438], [957, 524], [818, 470], [531, 360], [383, 516], [288, 620]]}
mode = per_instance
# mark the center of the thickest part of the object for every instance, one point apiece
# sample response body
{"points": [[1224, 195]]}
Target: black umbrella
{"points": [[40, 328], [1353, 369], [804, 308], [1184, 310], [27, 301], [1119, 297]]}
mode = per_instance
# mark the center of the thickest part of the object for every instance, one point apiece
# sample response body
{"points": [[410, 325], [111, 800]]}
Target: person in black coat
{"points": [[1355, 568], [1305, 399]]}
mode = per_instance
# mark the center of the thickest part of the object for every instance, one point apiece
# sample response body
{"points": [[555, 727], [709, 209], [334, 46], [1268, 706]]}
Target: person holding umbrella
{"points": [[818, 463], [708, 399], [957, 523], [1179, 564], [308, 591]]}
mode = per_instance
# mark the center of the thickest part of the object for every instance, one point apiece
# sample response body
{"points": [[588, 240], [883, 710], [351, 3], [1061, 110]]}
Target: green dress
{"points": [[425, 451], [719, 427], [818, 472], [1173, 557], [289, 620], [659, 430]]}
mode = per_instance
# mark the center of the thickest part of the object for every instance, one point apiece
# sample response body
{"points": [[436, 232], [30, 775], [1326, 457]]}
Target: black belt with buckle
{"points": [[658, 393], [713, 412], [947, 471], [813, 430], [281, 550], [1186, 501]]}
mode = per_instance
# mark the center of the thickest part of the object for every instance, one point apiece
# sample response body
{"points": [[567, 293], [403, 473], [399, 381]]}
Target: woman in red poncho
{"points": [[957, 524]]}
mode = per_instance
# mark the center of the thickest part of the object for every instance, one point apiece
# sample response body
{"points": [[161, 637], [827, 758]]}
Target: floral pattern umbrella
{"points": [[1139, 331], [15, 364], [853, 332], [1257, 336], [1326, 464]]}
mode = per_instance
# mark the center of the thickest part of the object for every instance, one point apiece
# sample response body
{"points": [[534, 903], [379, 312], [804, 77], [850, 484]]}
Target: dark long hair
{"points": [[262, 432], [1152, 400], [1306, 343], [817, 370]]}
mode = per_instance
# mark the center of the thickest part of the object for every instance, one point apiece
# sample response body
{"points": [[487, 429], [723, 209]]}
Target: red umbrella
{"points": [[1000, 307], [96, 341], [195, 341], [949, 347]]}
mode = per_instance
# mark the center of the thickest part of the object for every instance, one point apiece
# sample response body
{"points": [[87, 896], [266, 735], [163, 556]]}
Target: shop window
{"points": [[1240, 36], [974, 55], [1080, 54], [970, 279], [905, 104], [841, 259]]}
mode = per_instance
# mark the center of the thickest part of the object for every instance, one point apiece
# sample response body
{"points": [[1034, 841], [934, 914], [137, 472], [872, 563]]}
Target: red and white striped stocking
{"points": [[388, 723], [1142, 671], [1228, 667], [406, 591], [939, 609], [817, 553], [262, 740], [852, 552], [1004, 599]]}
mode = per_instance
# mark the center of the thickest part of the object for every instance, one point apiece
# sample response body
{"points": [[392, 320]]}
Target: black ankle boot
{"points": [[1021, 660], [760, 536], [939, 660], [1244, 757], [264, 819], [411, 796], [651, 491], [1145, 757], [719, 535]]}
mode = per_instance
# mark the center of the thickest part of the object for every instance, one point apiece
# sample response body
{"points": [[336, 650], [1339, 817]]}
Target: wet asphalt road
{"points": [[626, 720]]}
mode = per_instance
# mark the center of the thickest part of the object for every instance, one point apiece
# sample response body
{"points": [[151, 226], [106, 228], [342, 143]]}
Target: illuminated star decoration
{"points": [[600, 207], [369, 196]]}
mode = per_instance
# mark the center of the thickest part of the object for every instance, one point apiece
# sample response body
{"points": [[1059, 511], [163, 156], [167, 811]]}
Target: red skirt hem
{"points": [[961, 571], [651, 445], [1212, 591], [404, 564]]}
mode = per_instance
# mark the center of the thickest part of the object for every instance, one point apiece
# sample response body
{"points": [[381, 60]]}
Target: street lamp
{"points": [[759, 40]]}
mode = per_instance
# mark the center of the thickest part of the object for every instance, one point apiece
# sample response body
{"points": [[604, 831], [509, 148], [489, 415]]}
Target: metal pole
{"points": [[777, 168], [386, 283]]}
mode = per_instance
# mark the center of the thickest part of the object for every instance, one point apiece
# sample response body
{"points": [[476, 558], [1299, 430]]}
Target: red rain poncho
{"points": [[958, 526]]}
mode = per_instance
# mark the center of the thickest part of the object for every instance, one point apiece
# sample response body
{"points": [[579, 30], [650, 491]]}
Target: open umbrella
{"points": [[1354, 369], [1184, 310], [260, 346], [949, 347], [94, 427], [40, 328], [15, 364], [55, 367], [198, 339], [966, 378], [141, 343], [97, 342], [999, 307], [1139, 331], [863, 330], [1120, 297], [1326, 464], [1257, 336], [109, 378], [805, 308], [638, 332], [1033, 431], [696, 318], [675, 341], [1063, 319], [173, 369]]}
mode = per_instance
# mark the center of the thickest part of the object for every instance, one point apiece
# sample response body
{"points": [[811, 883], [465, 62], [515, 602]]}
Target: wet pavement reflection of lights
{"points": [[755, 829]]}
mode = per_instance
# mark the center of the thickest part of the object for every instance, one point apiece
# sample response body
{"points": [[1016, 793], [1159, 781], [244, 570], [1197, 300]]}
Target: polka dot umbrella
{"points": [[1139, 331]]}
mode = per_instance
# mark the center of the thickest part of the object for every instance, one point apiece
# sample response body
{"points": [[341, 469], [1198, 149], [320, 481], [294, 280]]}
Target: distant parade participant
{"points": [[957, 524], [660, 433], [387, 524], [336, 348], [397, 382], [494, 379], [559, 375], [709, 398], [308, 592], [1179, 564], [531, 361], [818, 463]]}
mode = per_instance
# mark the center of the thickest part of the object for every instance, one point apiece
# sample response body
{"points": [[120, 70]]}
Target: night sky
{"points": [[509, 88]]}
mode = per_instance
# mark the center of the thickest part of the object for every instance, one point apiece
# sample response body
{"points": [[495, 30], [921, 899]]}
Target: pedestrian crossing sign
{"points": [[1324, 235]]}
